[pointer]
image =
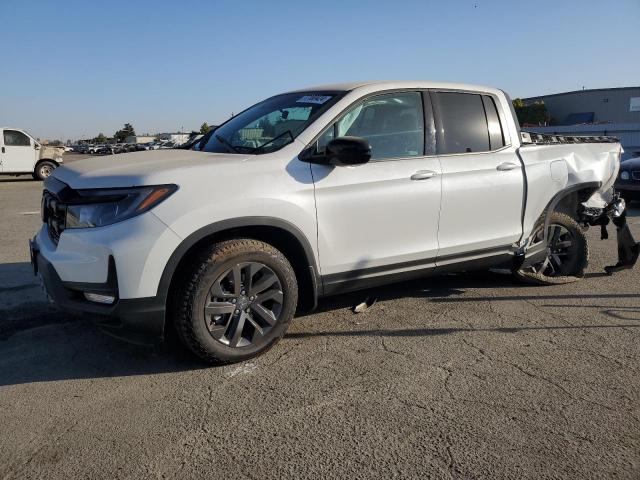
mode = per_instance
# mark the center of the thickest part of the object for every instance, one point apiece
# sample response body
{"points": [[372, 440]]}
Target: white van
{"points": [[20, 153]]}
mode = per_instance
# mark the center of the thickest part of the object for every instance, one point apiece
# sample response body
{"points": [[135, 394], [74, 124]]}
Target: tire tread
{"points": [[185, 296], [539, 279]]}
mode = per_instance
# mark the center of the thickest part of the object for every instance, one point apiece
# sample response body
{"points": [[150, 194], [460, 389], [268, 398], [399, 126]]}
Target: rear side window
{"points": [[461, 123], [13, 138]]}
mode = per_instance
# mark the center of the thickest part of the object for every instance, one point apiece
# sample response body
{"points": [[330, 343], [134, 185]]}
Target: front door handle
{"points": [[503, 167], [423, 175], [2, 149]]}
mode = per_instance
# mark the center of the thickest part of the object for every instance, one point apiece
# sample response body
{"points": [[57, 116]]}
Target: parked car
{"points": [[117, 148], [628, 182], [316, 192], [148, 146], [20, 154], [101, 149], [128, 147]]}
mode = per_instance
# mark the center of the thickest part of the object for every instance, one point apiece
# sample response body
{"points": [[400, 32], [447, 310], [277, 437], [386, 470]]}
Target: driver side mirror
{"points": [[36, 146], [341, 151]]}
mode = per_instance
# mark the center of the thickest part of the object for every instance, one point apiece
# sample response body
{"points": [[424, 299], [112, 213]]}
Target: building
{"points": [[602, 111], [139, 139], [177, 138]]}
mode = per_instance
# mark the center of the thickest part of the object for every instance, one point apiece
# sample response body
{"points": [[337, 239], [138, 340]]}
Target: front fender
{"points": [[224, 225]]}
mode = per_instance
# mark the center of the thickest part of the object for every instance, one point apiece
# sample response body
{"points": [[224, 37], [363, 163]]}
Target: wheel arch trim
{"points": [[559, 196], [179, 253], [39, 161]]}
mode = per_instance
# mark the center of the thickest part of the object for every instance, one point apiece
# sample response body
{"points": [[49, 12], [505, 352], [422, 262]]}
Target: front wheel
{"points": [[568, 252], [236, 301]]}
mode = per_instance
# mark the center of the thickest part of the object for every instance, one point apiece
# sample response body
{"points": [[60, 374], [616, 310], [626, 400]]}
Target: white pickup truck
{"points": [[20, 154], [316, 192]]}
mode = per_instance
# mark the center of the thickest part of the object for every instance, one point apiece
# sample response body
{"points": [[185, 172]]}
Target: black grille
{"points": [[53, 214], [636, 175]]}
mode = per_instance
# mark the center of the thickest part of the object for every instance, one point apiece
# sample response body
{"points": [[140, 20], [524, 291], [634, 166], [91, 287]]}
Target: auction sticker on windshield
{"points": [[319, 99]]}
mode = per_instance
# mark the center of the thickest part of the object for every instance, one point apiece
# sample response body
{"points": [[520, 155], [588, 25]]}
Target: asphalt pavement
{"points": [[459, 376]]}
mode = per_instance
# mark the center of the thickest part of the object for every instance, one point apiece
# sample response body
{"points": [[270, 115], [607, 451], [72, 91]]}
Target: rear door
{"points": [[380, 218], [18, 152], [482, 177]]}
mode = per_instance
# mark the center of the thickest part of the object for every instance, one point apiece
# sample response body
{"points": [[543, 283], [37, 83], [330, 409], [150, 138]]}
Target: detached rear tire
{"points": [[568, 253], [236, 301]]}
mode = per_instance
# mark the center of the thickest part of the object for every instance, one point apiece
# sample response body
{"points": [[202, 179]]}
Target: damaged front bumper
{"points": [[615, 212]]}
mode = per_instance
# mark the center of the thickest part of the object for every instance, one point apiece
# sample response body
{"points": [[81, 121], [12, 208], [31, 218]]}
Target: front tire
{"points": [[236, 301], [568, 255], [44, 170]]}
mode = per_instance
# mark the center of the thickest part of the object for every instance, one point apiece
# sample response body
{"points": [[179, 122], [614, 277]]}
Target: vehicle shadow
{"points": [[25, 178], [39, 343]]}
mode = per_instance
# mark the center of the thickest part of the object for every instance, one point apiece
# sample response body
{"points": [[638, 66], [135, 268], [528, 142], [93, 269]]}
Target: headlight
{"points": [[100, 207], [624, 175]]}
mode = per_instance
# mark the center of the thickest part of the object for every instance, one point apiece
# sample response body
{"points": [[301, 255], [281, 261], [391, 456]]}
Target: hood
{"points": [[151, 167], [630, 164]]}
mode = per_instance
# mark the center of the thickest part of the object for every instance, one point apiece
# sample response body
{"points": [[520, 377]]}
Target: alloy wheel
{"points": [[243, 304], [562, 251]]}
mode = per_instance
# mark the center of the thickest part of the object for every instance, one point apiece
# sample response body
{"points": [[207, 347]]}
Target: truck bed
{"points": [[530, 138]]}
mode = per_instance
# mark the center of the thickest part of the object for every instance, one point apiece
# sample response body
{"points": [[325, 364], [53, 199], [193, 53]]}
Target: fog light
{"points": [[95, 297]]}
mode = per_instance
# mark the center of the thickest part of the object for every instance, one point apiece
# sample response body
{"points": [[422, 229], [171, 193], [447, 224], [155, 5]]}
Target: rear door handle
{"points": [[423, 175], [506, 166]]}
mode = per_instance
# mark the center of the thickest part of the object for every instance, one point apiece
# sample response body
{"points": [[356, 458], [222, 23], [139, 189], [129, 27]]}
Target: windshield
{"points": [[269, 125]]}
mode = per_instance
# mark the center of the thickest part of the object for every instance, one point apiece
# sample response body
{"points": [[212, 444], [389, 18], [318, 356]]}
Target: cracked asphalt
{"points": [[460, 376]]}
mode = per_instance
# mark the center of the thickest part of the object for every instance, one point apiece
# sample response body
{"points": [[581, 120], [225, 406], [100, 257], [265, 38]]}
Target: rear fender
{"points": [[570, 207], [565, 201]]}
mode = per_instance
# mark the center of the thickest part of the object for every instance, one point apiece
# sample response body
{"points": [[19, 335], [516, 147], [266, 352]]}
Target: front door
{"points": [[18, 152], [380, 218]]}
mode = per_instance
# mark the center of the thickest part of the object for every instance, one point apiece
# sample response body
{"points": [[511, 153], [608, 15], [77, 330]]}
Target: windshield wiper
{"points": [[226, 143], [287, 132]]}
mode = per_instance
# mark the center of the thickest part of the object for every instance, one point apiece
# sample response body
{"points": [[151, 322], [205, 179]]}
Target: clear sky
{"points": [[76, 68]]}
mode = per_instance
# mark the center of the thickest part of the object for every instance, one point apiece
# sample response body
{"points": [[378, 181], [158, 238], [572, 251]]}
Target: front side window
{"points": [[463, 124], [393, 124], [271, 124], [14, 138]]}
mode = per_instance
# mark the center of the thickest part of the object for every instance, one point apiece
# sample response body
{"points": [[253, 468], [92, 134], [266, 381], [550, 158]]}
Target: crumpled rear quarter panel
{"points": [[553, 168]]}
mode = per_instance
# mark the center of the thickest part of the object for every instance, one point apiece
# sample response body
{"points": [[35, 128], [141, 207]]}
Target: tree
{"points": [[204, 128], [533, 114], [100, 138], [125, 132]]}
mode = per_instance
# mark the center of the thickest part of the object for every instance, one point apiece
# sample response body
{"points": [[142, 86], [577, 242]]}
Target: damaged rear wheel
{"points": [[567, 252]]}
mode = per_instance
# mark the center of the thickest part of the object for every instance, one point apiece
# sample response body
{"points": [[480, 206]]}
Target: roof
{"points": [[612, 89], [393, 84]]}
